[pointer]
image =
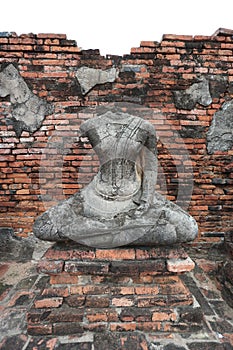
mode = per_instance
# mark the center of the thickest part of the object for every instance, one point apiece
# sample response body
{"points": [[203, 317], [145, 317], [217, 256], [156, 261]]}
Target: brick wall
{"points": [[41, 167]]}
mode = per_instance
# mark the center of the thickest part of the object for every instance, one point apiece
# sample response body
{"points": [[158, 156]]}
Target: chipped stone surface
{"points": [[13, 247], [28, 110], [220, 133], [218, 84], [197, 93], [90, 77]]}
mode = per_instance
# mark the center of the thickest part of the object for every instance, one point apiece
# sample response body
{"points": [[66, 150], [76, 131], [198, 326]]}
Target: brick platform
{"points": [[123, 289]]}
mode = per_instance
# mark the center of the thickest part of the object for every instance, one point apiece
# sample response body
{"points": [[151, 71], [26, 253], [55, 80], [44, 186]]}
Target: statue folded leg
{"points": [[163, 223]]}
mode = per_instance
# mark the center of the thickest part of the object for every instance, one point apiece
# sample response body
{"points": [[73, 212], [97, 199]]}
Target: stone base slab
{"points": [[122, 289]]}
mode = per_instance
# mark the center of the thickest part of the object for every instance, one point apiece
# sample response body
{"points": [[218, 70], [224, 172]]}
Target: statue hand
{"points": [[143, 207]]}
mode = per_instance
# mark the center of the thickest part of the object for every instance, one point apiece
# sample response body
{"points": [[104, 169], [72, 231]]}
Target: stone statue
{"points": [[120, 205], [28, 110]]}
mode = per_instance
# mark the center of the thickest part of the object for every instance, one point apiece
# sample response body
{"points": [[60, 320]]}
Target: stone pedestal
{"points": [[121, 289]]}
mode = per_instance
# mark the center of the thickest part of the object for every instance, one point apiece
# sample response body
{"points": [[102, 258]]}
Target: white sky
{"points": [[115, 26]]}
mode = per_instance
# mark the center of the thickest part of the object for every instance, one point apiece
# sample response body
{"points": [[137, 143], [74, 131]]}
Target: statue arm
{"points": [[149, 171]]}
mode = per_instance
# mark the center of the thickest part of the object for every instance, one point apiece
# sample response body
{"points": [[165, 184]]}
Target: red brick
{"points": [[177, 37], [96, 327], [56, 292], [147, 290], [93, 268], [149, 326], [127, 290], [164, 316], [50, 267], [99, 317], [180, 265], [75, 300], [97, 301], [67, 328], [52, 41], [66, 315], [123, 327], [42, 329], [171, 285], [18, 295], [179, 300], [63, 278], [51, 36], [115, 254], [149, 43], [48, 302], [149, 301], [73, 49], [95, 290], [123, 301], [76, 290], [142, 50]]}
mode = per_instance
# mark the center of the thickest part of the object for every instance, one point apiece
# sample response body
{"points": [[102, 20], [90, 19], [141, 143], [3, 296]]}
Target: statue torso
{"points": [[118, 144]]}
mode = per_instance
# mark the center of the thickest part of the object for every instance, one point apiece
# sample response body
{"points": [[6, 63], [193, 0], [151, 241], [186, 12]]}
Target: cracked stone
{"points": [[90, 77], [220, 133]]}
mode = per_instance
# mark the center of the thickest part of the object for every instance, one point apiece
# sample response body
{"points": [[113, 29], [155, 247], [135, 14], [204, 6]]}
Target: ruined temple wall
{"points": [[187, 82]]}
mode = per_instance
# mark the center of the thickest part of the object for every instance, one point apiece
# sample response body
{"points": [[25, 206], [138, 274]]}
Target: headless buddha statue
{"points": [[120, 205]]}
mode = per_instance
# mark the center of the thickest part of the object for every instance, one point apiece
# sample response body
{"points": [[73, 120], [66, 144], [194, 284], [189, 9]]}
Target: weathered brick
{"points": [[63, 278], [164, 316], [170, 253], [123, 327], [50, 267], [37, 315], [129, 314], [66, 315], [67, 328], [75, 301], [179, 300], [171, 285], [51, 36], [97, 301], [41, 329], [21, 298], [115, 254], [56, 292], [149, 43], [137, 267], [48, 302], [180, 265], [95, 290], [123, 301], [148, 326], [92, 268], [149, 301], [97, 317], [76, 290], [147, 290], [127, 290], [96, 327]]}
